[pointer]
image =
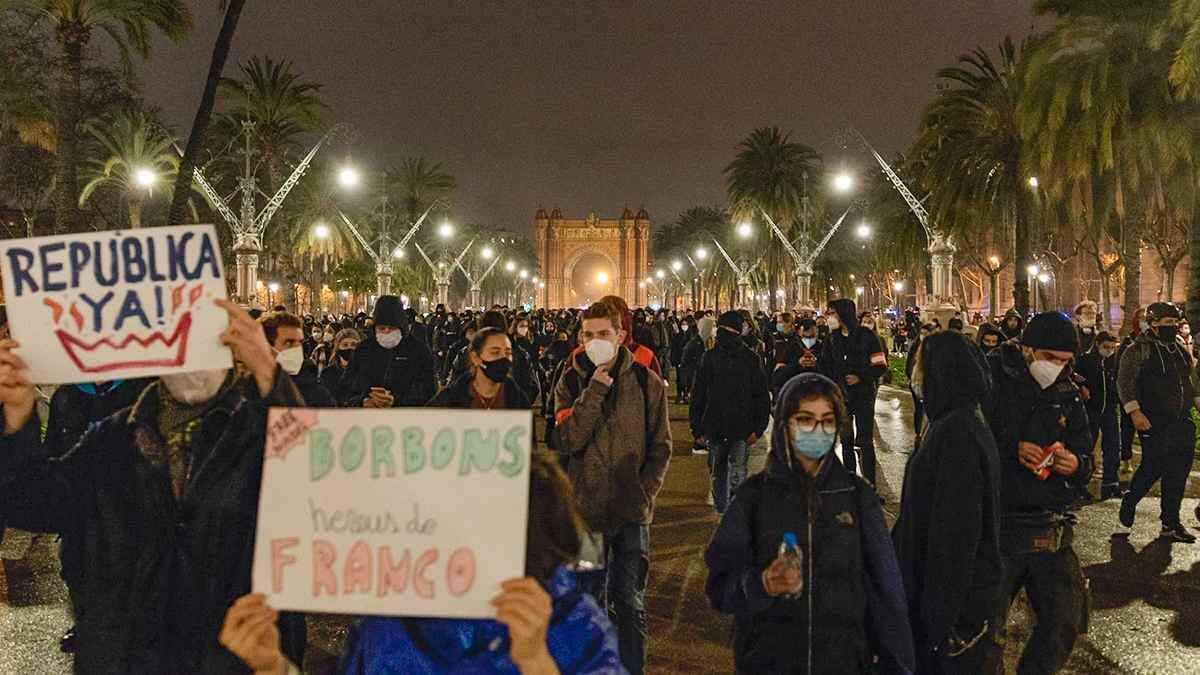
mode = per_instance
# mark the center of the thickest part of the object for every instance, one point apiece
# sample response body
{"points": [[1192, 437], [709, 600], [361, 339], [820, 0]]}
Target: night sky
{"points": [[600, 104]]}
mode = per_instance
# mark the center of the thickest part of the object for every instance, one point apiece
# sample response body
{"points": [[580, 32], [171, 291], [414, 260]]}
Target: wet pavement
{"points": [[1145, 592]]}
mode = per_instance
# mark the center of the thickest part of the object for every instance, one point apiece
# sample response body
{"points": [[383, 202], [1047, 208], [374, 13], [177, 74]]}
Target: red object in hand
{"points": [[1047, 461]]}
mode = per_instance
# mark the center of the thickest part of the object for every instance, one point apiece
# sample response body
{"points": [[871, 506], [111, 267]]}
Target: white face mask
{"points": [[291, 360], [809, 342], [600, 351], [832, 322], [1045, 372], [196, 387], [1107, 352], [388, 340]]}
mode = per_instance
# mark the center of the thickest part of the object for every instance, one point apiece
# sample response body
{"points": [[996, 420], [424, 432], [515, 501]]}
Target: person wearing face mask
{"points": [[489, 385], [392, 370], [989, 338], [693, 351], [322, 355], [854, 358], [345, 342], [311, 332], [679, 342], [161, 495], [1012, 324], [1185, 338], [1085, 314], [614, 432], [947, 535], [914, 388], [1157, 390], [1037, 416], [283, 331], [1098, 366], [804, 358], [844, 606], [786, 351]]}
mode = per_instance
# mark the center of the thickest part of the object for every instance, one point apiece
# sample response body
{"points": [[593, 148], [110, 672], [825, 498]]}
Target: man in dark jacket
{"points": [[989, 338], [1155, 383], [853, 357], [1012, 325], [393, 370], [795, 354], [1040, 480], [164, 497], [947, 536], [284, 334], [730, 406], [73, 408], [1098, 367]]}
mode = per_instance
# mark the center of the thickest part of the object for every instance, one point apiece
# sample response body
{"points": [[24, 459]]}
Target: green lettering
{"points": [[414, 451], [514, 446], [381, 451], [479, 450], [354, 449], [320, 453], [443, 449]]}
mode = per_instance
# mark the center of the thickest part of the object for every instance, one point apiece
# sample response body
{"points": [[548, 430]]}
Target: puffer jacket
{"points": [[1156, 378], [580, 639], [852, 608], [616, 440], [407, 371], [159, 572], [730, 396]]}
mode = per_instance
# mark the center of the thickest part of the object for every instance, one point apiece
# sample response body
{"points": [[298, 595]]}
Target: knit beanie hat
{"points": [[1051, 330], [732, 320], [389, 311]]}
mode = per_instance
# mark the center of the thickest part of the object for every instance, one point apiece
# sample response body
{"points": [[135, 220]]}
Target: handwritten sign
{"points": [[114, 305], [394, 512]]}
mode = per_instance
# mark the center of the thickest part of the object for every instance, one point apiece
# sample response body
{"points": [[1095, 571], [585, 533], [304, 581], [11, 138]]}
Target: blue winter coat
{"points": [[580, 640]]}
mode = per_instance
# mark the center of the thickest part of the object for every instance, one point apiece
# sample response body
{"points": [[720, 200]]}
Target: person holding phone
{"points": [[393, 369]]}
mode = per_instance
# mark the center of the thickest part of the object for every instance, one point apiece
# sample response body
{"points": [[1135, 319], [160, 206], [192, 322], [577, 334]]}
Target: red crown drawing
{"points": [[153, 349]]}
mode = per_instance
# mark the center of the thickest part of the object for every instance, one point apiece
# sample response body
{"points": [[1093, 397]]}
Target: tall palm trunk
{"points": [[135, 210], [72, 38], [1131, 256], [1021, 255], [1193, 291], [183, 180]]}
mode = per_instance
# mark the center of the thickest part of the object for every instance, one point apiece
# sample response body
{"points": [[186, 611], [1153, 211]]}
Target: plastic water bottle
{"points": [[789, 550]]}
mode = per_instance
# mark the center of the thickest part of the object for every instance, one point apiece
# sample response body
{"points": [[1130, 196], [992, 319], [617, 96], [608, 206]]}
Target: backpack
{"points": [[575, 386]]}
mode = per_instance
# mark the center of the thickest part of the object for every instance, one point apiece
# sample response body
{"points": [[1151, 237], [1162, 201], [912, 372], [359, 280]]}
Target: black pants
{"points": [[1054, 584], [1167, 451], [1107, 425], [1126, 437], [861, 433]]}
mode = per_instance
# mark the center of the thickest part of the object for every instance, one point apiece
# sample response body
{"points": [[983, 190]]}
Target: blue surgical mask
{"points": [[812, 444]]}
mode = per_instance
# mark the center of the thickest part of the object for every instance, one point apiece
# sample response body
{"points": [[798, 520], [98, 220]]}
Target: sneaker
{"points": [[1177, 533], [699, 450], [1128, 511], [67, 642]]}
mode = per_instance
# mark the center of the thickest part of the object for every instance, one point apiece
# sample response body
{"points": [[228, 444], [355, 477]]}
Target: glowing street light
{"points": [[398, 253], [321, 231], [487, 252], [523, 274], [602, 277], [701, 253], [144, 178], [273, 287], [541, 284], [898, 286], [858, 290], [995, 261], [676, 265], [843, 182], [745, 230], [641, 284], [1033, 182], [660, 274], [534, 280], [345, 294], [445, 230], [1043, 277], [863, 231], [348, 177], [510, 265], [1033, 270]]}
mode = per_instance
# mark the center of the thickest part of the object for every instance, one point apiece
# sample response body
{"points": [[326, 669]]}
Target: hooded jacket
{"points": [[580, 639], [407, 371], [858, 353], [948, 534], [986, 330], [616, 440], [730, 397], [1156, 378], [458, 394], [1008, 332], [1012, 401], [852, 606]]}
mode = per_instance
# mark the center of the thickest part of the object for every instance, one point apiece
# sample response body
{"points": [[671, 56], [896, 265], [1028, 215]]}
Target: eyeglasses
{"points": [[810, 424]]}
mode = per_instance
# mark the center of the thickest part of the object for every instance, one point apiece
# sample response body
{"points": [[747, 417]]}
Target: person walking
{"points": [[948, 534], [730, 408], [612, 426], [489, 385], [854, 359], [285, 334], [345, 342], [1099, 367], [394, 369], [831, 600], [1037, 417], [1155, 381]]}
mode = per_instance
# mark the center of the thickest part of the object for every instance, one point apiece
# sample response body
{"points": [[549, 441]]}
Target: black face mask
{"points": [[987, 348], [345, 354], [497, 371], [1166, 333]]}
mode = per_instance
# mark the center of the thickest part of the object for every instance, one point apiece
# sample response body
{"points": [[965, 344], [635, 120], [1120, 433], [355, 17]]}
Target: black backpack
{"points": [[575, 386]]}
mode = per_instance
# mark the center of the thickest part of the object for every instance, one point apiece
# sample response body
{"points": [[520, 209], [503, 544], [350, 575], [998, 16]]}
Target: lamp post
{"points": [[1033, 271]]}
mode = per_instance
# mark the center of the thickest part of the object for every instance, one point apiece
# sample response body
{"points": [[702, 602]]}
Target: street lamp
{"points": [[995, 261], [898, 286], [701, 252], [660, 274], [510, 266], [1043, 277], [348, 177], [321, 231], [487, 253], [863, 231], [745, 230], [523, 274], [676, 265], [1033, 270], [858, 290], [445, 230], [843, 182], [398, 253], [144, 178], [1033, 182], [534, 280]]}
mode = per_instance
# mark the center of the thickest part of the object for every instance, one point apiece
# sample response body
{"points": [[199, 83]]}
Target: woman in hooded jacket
{"points": [[947, 536], [842, 609]]}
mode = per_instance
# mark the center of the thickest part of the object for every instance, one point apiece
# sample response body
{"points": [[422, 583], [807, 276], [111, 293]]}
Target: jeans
{"points": [[728, 460], [1167, 451], [1109, 426], [621, 587], [861, 406]]}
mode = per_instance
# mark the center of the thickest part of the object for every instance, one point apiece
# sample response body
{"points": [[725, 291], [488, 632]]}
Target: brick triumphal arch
{"points": [[586, 258]]}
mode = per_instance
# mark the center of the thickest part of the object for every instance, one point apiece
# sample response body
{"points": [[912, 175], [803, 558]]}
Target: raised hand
{"points": [[251, 634], [16, 391], [249, 344]]}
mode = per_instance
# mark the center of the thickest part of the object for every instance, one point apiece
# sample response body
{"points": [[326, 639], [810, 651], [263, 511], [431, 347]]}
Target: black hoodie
{"points": [[986, 330], [858, 353]]}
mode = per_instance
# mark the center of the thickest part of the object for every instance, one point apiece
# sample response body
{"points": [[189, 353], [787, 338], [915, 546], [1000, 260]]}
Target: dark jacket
{"points": [[333, 378], [851, 575], [312, 390], [730, 399], [948, 534], [1156, 378], [407, 371], [1014, 399], [693, 352], [858, 353], [160, 572], [793, 358], [986, 330], [678, 342], [1100, 378], [75, 407], [458, 394], [1010, 333]]}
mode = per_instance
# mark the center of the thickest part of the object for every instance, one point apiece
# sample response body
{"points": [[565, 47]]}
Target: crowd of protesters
{"points": [[151, 484]]}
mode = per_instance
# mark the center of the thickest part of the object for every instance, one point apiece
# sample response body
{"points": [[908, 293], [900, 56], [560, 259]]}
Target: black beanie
{"points": [[730, 319], [1051, 330], [389, 311]]}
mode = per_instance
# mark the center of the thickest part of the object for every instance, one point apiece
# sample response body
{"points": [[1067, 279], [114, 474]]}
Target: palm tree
{"points": [[139, 154], [771, 172], [973, 152], [417, 182], [129, 25], [199, 133]]}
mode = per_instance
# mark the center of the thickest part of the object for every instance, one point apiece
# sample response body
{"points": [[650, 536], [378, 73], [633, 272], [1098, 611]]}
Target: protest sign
{"points": [[116, 305], [396, 512]]}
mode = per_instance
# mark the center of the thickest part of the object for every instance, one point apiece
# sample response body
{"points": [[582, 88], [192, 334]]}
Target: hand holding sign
{"points": [[249, 344], [524, 607], [251, 634], [16, 391]]}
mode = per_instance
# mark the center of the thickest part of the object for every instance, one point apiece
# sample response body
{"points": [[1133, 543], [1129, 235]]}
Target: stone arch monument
{"points": [[624, 243]]}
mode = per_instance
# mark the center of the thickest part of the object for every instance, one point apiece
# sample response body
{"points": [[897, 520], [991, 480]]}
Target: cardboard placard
{"points": [[402, 512], [116, 305]]}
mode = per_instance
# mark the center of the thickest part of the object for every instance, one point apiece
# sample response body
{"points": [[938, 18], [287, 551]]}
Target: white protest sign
{"points": [[418, 512], [116, 305]]}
